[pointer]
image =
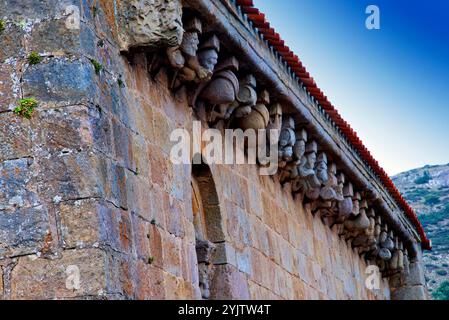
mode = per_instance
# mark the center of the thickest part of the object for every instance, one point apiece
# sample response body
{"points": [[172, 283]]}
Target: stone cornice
{"points": [[316, 158], [267, 63]]}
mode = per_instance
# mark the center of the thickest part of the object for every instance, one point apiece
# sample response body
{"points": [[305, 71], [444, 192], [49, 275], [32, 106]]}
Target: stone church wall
{"points": [[91, 206]]}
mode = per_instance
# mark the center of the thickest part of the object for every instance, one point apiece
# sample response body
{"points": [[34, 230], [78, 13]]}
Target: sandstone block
{"points": [[229, 284], [70, 176], [225, 254], [255, 200], [77, 273], [11, 40], [156, 246], [60, 82], [141, 232], [54, 36], [151, 285], [409, 293], [23, 231], [17, 185], [80, 223], [9, 85], [244, 260], [15, 137], [172, 254]]}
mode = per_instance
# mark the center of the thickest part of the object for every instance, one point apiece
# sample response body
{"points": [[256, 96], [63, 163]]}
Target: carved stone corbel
{"points": [[246, 97], [386, 246], [406, 270], [150, 24], [366, 241], [221, 91], [291, 169], [207, 56], [183, 59], [204, 251], [396, 263], [331, 187], [287, 140], [373, 253], [320, 177], [346, 207], [307, 179], [275, 122], [358, 222], [259, 116]]}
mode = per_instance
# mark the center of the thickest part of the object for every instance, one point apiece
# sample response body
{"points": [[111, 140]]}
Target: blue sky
{"points": [[392, 84]]}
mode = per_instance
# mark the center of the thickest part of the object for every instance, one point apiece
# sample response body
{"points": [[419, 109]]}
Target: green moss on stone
{"points": [[26, 107], [34, 58], [2, 26], [120, 82], [97, 65]]}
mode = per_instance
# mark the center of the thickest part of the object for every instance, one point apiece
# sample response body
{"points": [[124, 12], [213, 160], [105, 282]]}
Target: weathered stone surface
{"points": [[80, 223], [9, 85], [70, 176], [151, 284], [151, 24], [12, 41], [18, 10], [69, 129], [416, 275], [60, 82], [37, 278], [410, 293], [53, 36], [17, 184], [15, 137], [229, 284], [23, 231]]}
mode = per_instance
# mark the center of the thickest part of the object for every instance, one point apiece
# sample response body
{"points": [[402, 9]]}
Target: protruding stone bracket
{"points": [[151, 24]]}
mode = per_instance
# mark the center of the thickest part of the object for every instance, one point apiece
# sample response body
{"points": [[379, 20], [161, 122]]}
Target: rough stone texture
{"points": [[151, 23], [37, 278], [88, 182]]}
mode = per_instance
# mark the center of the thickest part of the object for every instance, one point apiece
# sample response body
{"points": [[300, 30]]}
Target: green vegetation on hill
{"points": [[425, 178], [427, 191], [442, 293]]}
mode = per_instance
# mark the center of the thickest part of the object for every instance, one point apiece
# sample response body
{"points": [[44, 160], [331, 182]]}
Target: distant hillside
{"points": [[427, 191]]}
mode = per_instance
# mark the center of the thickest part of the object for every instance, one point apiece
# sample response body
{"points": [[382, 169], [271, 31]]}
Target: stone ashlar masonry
{"points": [[86, 183]]}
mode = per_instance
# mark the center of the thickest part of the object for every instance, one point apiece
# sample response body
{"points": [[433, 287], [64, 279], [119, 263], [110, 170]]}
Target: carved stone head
{"points": [[275, 116], [321, 167], [310, 160], [299, 148], [310, 157], [208, 53], [191, 38]]}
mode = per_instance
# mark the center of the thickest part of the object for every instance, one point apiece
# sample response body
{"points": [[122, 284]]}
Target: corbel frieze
{"points": [[199, 65]]}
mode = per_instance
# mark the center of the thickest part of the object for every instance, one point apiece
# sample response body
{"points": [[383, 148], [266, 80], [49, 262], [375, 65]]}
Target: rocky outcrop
{"points": [[427, 190]]}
